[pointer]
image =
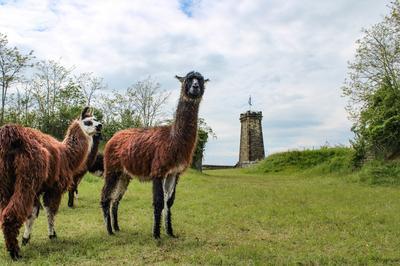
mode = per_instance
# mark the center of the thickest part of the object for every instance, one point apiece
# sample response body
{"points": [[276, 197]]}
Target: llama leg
{"points": [[114, 212], [29, 223], [116, 196], [71, 194], [111, 180], [158, 204], [12, 217], [10, 227], [169, 185], [51, 201]]}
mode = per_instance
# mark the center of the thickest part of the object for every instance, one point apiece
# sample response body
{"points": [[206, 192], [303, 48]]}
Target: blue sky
{"points": [[290, 56], [186, 6]]}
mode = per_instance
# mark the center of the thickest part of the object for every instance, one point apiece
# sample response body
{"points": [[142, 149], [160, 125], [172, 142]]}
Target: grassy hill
{"points": [[231, 217], [324, 160], [335, 161]]}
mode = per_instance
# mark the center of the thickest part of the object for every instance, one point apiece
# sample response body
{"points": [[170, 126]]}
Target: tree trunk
{"points": [[197, 162], [3, 103]]}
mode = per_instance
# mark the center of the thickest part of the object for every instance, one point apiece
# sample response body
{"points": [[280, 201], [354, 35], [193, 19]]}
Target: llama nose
{"points": [[194, 90], [99, 127]]}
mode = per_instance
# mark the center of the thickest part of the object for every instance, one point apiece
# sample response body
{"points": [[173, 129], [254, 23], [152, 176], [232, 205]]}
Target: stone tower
{"points": [[251, 138]]}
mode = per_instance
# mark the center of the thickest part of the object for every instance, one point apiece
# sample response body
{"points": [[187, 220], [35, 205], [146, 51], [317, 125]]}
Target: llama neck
{"points": [[93, 151], [185, 124], [77, 145]]}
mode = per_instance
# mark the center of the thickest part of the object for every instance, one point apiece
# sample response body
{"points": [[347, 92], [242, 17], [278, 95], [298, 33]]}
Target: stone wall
{"points": [[251, 138]]}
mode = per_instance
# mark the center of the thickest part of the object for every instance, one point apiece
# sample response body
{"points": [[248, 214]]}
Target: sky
{"points": [[290, 56]]}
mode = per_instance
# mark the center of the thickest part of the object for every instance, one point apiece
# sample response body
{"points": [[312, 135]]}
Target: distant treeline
{"points": [[47, 95]]}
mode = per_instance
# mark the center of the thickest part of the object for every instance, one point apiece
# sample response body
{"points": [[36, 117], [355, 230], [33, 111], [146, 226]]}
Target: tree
{"points": [[12, 64], [20, 109], [58, 97], [203, 133], [89, 84], [48, 81], [148, 101], [118, 112], [140, 105], [373, 88]]}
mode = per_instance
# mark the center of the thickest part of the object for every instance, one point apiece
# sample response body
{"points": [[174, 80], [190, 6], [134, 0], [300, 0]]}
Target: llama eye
{"points": [[88, 123]]}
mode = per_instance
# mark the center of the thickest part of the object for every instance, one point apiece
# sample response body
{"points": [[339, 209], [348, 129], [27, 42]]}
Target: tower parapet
{"points": [[251, 139]]}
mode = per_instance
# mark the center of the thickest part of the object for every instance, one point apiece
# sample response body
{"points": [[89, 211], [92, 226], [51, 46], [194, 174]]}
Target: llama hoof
{"points": [[116, 228], [53, 236], [172, 235], [14, 254], [109, 229], [25, 240]]}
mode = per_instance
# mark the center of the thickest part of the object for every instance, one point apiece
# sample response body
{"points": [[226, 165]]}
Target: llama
{"points": [[94, 164], [33, 164], [158, 154]]}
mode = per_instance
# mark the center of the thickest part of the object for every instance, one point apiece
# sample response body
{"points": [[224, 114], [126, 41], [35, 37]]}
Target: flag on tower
{"points": [[250, 104]]}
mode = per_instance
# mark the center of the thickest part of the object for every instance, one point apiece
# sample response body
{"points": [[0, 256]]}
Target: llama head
{"points": [[192, 85], [88, 122]]}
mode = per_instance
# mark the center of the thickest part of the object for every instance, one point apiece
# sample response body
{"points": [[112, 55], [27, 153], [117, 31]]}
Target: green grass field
{"points": [[230, 217]]}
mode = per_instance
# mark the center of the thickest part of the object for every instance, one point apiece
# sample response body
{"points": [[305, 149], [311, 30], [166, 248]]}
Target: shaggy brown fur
{"points": [[159, 154], [33, 163], [94, 164]]}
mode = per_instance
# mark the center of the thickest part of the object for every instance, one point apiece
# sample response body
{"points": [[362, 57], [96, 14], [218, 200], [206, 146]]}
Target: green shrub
{"points": [[380, 173]]}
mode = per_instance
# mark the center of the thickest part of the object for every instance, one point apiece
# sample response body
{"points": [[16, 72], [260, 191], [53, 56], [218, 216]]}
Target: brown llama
{"points": [[158, 154], [94, 165], [33, 164]]}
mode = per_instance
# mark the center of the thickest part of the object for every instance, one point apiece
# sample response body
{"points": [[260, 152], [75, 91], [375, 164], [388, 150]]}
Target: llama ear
{"points": [[206, 80], [85, 112], [181, 79]]}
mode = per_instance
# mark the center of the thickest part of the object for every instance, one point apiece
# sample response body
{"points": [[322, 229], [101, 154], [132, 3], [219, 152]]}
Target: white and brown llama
{"points": [[158, 154], [33, 164]]}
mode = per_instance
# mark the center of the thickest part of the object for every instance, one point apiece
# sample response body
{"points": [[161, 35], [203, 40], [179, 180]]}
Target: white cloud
{"points": [[290, 56]]}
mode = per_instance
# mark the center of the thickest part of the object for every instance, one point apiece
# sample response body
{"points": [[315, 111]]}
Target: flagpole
{"points": [[249, 102]]}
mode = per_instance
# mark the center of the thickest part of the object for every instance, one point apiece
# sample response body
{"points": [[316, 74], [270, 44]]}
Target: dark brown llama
{"points": [[94, 165], [33, 164], [157, 154]]}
